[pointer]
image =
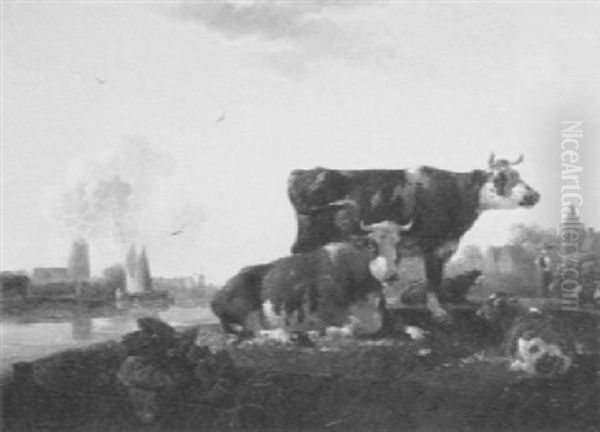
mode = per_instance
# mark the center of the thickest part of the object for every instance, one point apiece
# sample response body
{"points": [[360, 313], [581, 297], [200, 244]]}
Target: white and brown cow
{"points": [[336, 285]]}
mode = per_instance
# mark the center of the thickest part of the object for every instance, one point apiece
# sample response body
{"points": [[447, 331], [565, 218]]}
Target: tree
{"points": [[533, 237], [115, 277]]}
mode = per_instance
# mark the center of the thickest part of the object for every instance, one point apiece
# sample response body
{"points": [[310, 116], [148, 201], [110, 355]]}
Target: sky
{"points": [[175, 125]]}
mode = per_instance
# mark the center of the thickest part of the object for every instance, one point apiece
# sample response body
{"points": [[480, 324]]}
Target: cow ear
{"points": [[518, 160]]}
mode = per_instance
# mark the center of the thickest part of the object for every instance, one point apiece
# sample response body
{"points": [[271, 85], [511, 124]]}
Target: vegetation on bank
{"points": [[353, 385]]}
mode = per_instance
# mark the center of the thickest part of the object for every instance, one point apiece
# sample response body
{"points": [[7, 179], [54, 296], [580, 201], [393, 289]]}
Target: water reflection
{"points": [[30, 337], [81, 327]]}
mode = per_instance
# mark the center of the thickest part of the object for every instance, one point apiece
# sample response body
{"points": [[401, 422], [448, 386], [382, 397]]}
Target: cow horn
{"points": [[342, 203], [406, 227], [334, 204], [519, 160], [491, 159]]}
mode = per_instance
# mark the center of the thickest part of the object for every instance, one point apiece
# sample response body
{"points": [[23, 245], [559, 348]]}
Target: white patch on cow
{"points": [[347, 330], [289, 322], [490, 200], [529, 352], [379, 268], [333, 250], [415, 333], [271, 318], [279, 334]]}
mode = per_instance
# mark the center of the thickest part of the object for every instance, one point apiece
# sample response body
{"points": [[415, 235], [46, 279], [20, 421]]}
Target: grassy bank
{"points": [[452, 382]]}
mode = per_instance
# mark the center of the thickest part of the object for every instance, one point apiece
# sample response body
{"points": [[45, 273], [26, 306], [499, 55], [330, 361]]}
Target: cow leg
{"points": [[315, 230], [304, 237], [434, 266], [253, 323], [368, 314]]}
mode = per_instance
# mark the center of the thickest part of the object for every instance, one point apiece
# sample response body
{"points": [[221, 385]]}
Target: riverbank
{"points": [[55, 329], [453, 383]]}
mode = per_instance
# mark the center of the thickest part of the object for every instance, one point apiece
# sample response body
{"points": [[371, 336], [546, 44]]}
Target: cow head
{"points": [[504, 188], [384, 239], [537, 357]]}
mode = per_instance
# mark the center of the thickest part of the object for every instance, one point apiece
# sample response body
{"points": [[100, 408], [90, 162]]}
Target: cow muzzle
{"points": [[382, 271], [530, 199]]}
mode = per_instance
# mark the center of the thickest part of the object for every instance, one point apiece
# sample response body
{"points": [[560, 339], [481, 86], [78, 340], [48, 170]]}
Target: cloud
{"points": [[297, 34], [269, 20], [125, 194]]}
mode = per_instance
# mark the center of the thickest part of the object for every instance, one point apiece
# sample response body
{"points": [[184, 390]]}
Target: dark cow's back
{"points": [[442, 204], [318, 186]]}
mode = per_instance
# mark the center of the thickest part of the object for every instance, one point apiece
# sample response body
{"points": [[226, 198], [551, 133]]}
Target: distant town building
{"points": [[79, 261], [137, 269], [13, 284], [178, 283], [50, 274]]}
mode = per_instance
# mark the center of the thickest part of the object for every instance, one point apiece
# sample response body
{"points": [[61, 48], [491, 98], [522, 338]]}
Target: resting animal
{"points": [[337, 284], [538, 342]]}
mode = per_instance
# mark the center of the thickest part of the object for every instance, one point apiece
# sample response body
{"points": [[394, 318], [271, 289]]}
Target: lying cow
{"points": [[336, 284], [537, 342]]}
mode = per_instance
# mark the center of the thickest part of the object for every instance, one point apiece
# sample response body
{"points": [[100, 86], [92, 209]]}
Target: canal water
{"points": [[40, 337]]}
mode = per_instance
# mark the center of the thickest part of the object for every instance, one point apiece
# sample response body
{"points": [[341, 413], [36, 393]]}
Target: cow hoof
{"points": [[437, 311]]}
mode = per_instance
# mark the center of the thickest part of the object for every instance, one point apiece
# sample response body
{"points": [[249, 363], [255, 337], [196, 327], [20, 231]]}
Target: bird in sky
{"points": [[220, 119], [177, 232], [99, 80]]}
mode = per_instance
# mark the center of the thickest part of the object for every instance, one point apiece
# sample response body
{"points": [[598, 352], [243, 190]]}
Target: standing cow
{"points": [[313, 290], [443, 205]]}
